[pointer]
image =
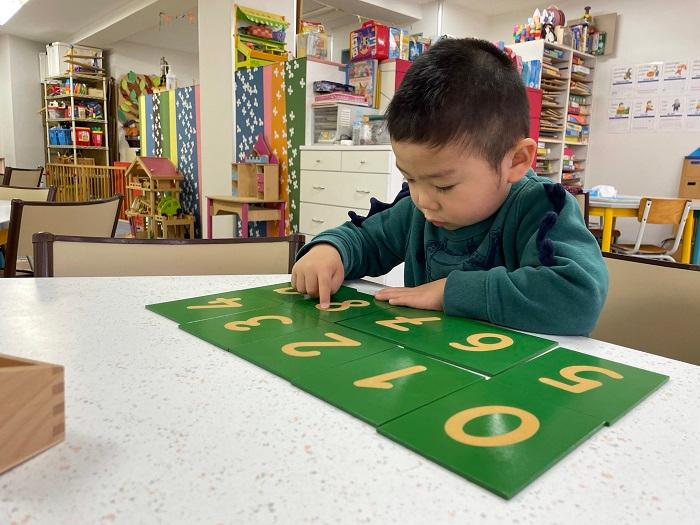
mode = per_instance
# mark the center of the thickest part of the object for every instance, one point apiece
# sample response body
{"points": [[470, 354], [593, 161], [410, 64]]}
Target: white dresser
{"points": [[336, 179]]}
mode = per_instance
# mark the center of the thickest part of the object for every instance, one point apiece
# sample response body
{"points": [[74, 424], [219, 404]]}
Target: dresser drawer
{"points": [[343, 189], [315, 218], [320, 160], [367, 161]]}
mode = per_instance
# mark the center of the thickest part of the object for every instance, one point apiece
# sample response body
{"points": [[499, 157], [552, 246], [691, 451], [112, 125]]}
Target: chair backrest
{"points": [[67, 256], [94, 218], [584, 205], [662, 211], [652, 306], [25, 178], [7, 193]]}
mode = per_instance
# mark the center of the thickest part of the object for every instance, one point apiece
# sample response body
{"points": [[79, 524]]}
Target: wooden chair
{"points": [[657, 211], [22, 177], [652, 306], [69, 256], [98, 218]]}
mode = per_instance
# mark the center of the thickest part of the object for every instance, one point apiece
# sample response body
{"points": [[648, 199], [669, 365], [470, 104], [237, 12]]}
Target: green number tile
{"points": [[600, 388], [210, 306], [385, 385], [230, 331], [474, 345], [492, 435], [280, 292], [311, 350], [344, 305]]}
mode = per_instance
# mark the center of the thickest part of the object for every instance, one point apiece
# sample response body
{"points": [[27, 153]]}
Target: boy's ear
{"points": [[519, 159]]}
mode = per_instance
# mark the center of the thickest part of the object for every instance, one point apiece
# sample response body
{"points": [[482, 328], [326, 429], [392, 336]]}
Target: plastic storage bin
{"points": [[82, 136]]}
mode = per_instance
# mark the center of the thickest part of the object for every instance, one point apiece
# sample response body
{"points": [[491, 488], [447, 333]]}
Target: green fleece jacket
{"points": [[533, 265]]}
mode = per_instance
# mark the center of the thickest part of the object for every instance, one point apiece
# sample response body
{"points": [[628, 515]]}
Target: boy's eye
{"points": [[444, 188]]}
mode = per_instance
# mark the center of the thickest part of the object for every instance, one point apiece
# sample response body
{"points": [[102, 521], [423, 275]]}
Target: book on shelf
{"points": [[580, 68], [348, 98], [579, 100], [363, 75], [575, 109], [577, 119]]}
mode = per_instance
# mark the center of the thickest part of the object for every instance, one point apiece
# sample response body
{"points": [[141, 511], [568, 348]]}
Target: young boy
{"points": [[482, 236]]}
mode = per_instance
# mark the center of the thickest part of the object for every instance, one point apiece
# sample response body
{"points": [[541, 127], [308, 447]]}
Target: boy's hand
{"points": [[319, 273], [426, 296]]}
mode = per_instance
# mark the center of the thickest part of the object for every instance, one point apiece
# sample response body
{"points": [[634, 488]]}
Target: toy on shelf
{"points": [[153, 189], [541, 25], [259, 37], [257, 174]]}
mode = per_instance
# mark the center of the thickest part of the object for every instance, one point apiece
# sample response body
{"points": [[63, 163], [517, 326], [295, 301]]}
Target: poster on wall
{"points": [[619, 115], [694, 82], [622, 80], [675, 77], [671, 111], [649, 77], [644, 111], [692, 113]]}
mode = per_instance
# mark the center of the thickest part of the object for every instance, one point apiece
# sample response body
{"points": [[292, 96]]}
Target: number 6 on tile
{"points": [[476, 344]]}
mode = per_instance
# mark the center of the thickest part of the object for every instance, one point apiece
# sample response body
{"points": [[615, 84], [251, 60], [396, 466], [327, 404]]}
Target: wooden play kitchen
{"points": [[32, 409], [153, 191]]}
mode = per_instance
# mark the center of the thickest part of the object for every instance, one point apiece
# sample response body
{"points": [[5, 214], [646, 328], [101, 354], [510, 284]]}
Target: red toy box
{"points": [[370, 41]]}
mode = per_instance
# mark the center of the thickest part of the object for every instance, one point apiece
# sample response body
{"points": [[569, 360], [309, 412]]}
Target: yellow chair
{"points": [[67, 256], [657, 211], [98, 218]]}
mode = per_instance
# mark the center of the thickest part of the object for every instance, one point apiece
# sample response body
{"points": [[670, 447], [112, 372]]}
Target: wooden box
{"points": [[690, 179], [31, 409]]}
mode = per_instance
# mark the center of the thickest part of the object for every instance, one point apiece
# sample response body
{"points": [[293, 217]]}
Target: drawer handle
{"points": [[362, 162], [358, 190], [320, 221], [319, 187], [318, 160]]}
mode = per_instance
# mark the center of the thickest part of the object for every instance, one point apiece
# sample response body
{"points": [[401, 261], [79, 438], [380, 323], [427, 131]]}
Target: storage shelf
{"points": [[94, 121], [86, 97], [76, 76], [54, 146]]}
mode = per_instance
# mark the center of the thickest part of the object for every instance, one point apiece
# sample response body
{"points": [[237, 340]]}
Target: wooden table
{"points": [[628, 206], [162, 427], [248, 209]]}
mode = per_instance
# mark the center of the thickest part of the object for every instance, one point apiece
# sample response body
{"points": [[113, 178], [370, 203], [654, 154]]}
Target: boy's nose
{"points": [[425, 202]]}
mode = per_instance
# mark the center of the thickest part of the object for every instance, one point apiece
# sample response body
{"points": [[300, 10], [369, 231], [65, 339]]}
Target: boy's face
{"points": [[451, 187]]}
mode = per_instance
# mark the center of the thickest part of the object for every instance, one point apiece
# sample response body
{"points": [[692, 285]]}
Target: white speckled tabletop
{"points": [[164, 428]]}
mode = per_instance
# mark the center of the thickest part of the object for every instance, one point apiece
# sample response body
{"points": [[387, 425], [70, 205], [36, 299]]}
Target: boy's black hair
{"points": [[462, 90]]}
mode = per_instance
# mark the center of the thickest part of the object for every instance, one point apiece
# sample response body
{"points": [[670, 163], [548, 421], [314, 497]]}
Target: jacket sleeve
{"points": [[561, 282], [373, 248]]}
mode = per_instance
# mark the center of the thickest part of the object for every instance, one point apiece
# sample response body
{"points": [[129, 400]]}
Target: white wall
{"points": [[461, 22], [7, 143], [215, 21], [141, 58], [635, 163], [21, 129]]}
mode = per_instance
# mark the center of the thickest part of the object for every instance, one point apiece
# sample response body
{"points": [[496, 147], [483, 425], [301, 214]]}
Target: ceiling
{"points": [[101, 23]]}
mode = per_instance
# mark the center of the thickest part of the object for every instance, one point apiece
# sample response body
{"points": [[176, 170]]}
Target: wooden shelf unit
{"points": [[560, 95], [100, 154]]}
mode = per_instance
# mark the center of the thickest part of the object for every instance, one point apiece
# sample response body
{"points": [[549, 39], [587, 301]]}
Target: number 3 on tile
{"points": [[528, 427], [476, 343], [582, 384], [244, 326]]}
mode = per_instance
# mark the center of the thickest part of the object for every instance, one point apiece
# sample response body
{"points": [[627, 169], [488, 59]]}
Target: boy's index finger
{"points": [[324, 290]]}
